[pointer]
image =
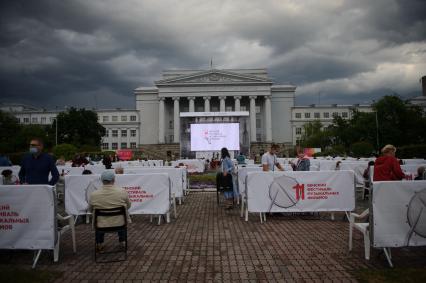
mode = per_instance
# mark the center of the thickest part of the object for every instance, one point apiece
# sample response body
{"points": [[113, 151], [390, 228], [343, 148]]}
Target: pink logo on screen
{"points": [[207, 137]]}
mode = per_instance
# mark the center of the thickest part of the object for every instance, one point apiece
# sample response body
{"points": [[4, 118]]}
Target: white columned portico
{"points": [[237, 100], [268, 118], [176, 119], [222, 103], [206, 103], [253, 118], [191, 103], [161, 120]]}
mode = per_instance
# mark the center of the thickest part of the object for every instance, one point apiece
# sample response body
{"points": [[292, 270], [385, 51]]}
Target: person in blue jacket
{"points": [[227, 167], [37, 165]]}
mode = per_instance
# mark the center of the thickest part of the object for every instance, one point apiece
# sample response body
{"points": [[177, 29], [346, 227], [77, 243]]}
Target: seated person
{"points": [[387, 167], [119, 171], [420, 173], [9, 178], [86, 172], [338, 164], [241, 159], [109, 196], [366, 174]]}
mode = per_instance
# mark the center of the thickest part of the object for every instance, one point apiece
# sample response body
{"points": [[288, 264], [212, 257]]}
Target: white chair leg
{"points": [[332, 216], [168, 217], [87, 218], [246, 211], [264, 217], [351, 219], [72, 227], [388, 256], [159, 219], [242, 207], [261, 218], [367, 245], [36, 257], [56, 249], [150, 218]]}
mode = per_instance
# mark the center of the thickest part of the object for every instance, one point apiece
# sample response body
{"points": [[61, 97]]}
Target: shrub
{"points": [[66, 150], [412, 151], [361, 149]]}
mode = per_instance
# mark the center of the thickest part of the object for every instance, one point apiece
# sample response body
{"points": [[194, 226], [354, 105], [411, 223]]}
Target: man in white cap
{"points": [[109, 196]]}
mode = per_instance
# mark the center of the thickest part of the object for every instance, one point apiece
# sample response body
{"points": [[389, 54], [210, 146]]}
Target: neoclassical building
{"points": [[222, 91]]}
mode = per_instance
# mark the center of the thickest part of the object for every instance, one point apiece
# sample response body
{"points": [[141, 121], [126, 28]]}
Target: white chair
{"points": [[363, 227], [61, 230]]}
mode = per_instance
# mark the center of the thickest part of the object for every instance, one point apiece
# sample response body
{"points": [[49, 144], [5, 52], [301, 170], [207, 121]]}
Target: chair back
{"points": [[110, 212]]}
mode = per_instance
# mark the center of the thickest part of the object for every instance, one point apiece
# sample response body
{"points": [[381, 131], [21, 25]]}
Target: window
{"points": [[114, 118], [170, 124], [123, 118], [133, 133], [298, 131], [114, 145], [257, 109], [307, 115], [132, 145], [114, 133], [124, 133], [123, 145], [34, 120], [106, 133], [105, 145], [26, 120], [228, 108], [258, 137], [258, 123], [298, 115], [43, 120], [105, 118], [171, 138], [243, 108], [51, 119], [335, 114], [316, 115], [326, 115], [133, 118], [345, 114]]}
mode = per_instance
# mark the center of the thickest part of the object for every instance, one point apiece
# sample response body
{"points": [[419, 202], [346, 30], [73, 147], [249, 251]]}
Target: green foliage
{"points": [[79, 127], [89, 148], [314, 135], [66, 150], [360, 149], [9, 126], [412, 151]]}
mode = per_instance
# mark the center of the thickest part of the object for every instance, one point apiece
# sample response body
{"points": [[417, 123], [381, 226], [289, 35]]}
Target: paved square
{"points": [[208, 244]]}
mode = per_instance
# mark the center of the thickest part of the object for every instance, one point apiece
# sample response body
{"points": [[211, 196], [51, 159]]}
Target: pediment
{"points": [[213, 77]]}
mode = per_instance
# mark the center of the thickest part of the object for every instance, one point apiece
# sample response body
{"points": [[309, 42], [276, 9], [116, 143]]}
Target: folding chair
{"points": [[61, 231], [111, 212], [223, 184], [363, 227]]}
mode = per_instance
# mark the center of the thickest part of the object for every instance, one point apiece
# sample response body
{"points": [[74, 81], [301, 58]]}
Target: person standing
{"points": [[386, 167], [37, 165], [269, 159], [226, 180]]}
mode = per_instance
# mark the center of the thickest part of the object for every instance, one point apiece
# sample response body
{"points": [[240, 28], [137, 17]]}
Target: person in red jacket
{"points": [[386, 167]]}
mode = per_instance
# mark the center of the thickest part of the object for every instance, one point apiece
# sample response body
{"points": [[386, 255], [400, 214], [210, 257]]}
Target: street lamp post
{"points": [[377, 131]]}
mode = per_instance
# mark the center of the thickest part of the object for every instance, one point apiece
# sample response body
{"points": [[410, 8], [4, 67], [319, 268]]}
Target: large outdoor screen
{"points": [[205, 137]]}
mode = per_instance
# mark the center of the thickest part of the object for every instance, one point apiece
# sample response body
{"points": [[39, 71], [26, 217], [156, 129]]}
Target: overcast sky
{"points": [[86, 53]]}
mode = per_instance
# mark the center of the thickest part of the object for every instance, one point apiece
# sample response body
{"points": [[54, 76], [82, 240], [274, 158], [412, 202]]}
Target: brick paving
{"points": [[208, 244]]}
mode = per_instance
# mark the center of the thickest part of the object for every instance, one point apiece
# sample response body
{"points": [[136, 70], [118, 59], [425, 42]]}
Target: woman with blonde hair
{"points": [[386, 167]]}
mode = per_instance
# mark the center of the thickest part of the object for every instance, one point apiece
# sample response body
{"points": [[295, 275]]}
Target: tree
{"points": [[78, 127], [9, 126], [315, 136]]}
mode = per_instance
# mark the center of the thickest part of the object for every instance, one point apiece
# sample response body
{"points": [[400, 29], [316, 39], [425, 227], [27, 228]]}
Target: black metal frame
{"points": [[108, 213], [223, 184]]}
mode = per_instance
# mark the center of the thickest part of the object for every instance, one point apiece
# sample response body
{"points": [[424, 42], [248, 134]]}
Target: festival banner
{"points": [[27, 217], [176, 175], [148, 193], [399, 214], [300, 191]]}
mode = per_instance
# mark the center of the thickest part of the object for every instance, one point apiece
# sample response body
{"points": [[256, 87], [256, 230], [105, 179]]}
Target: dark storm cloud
{"points": [[82, 53]]}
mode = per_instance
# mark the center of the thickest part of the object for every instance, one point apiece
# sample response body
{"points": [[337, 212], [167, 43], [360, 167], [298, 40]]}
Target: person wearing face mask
{"points": [[36, 166]]}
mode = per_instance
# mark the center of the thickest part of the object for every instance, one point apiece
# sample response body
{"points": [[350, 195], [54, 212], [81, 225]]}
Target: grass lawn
{"points": [[17, 275], [392, 275]]}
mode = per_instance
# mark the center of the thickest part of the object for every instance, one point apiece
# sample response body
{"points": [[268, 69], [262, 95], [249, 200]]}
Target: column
{"points": [[237, 100], [253, 118], [268, 118], [176, 119], [222, 103], [161, 120], [191, 103], [206, 103]]}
